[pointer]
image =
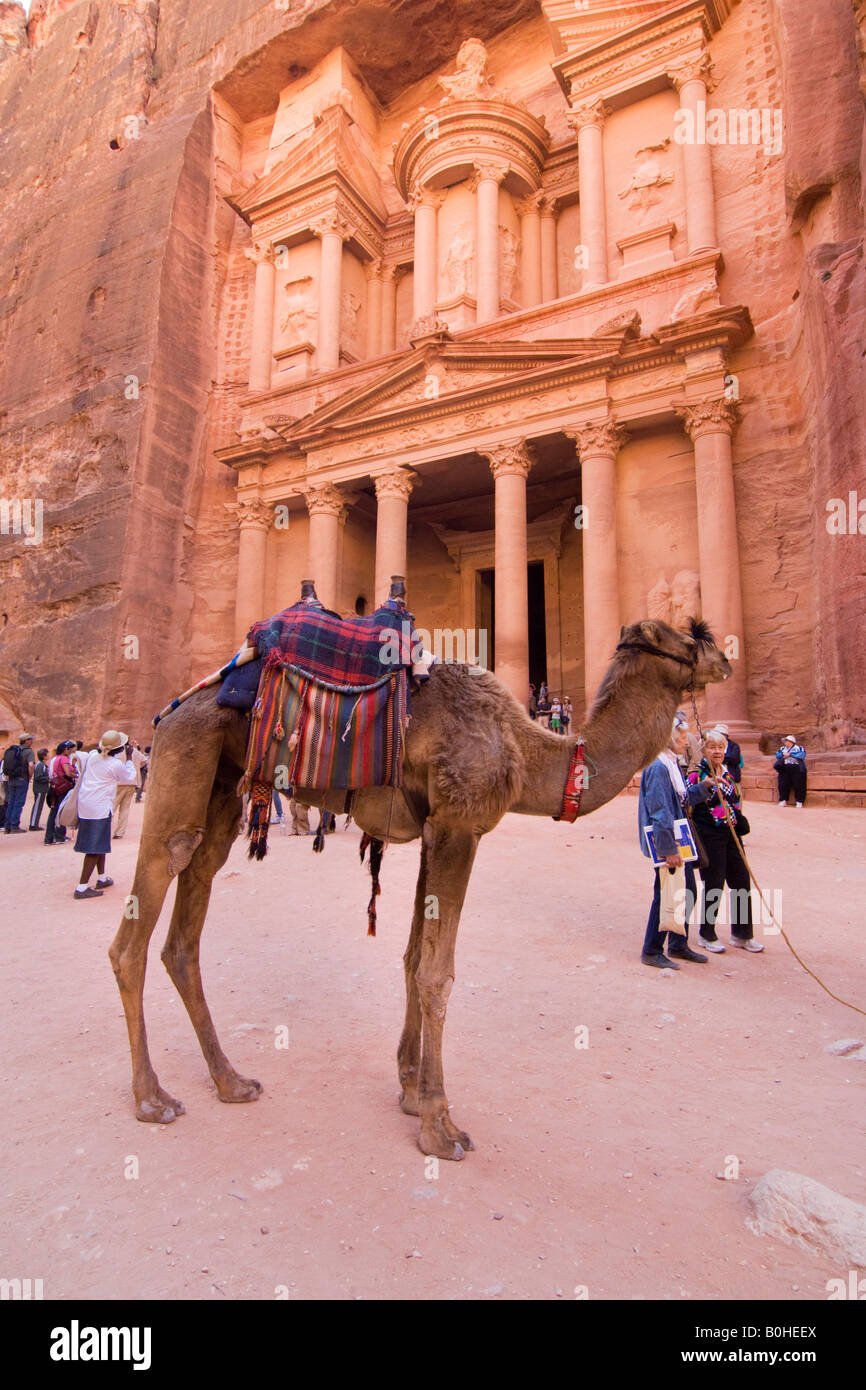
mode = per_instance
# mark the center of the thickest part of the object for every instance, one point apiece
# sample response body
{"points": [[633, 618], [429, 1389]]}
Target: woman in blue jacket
{"points": [[663, 798]]}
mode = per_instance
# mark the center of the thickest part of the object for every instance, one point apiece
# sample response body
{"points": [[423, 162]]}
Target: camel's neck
{"points": [[621, 738], [625, 735]]}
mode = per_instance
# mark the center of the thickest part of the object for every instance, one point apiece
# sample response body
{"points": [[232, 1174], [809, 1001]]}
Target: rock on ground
{"points": [[805, 1213]]}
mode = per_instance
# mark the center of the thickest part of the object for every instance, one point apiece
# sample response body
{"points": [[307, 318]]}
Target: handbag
{"points": [[67, 811], [741, 824], [672, 907]]}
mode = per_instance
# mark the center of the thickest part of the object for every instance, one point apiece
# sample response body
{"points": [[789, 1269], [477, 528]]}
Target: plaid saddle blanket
{"points": [[332, 705]]}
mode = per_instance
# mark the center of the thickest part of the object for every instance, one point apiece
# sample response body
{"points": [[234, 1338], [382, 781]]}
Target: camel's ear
{"points": [[651, 631], [622, 633]]}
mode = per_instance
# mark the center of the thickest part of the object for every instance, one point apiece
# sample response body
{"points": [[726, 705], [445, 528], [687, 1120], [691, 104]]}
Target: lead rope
{"points": [[729, 820]]}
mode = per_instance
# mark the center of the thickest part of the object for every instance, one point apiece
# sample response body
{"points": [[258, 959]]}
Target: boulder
{"points": [[807, 1214]]}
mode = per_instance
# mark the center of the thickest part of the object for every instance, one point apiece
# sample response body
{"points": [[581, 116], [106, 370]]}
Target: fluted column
{"points": [[327, 512], [510, 465], [388, 339], [588, 121], [691, 82], [374, 309], [332, 231], [529, 211], [425, 204], [254, 520], [263, 317], [549, 268], [597, 445], [710, 422], [488, 177], [393, 490]]}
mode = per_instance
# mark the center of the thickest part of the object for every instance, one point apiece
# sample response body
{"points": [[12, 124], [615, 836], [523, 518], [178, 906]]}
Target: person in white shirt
{"points": [[105, 769], [124, 794]]}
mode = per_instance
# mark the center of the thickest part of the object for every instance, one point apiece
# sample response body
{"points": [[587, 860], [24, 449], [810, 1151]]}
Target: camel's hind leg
{"points": [[450, 856], [180, 953]]}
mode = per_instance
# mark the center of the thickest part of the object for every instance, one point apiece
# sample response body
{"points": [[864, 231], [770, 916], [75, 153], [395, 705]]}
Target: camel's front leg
{"points": [[409, 1050], [450, 853]]}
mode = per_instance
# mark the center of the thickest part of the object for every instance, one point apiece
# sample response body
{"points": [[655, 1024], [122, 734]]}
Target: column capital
{"points": [[259, 251], [425, 197], [396, 482], [587, 113], [597, 437], [373, 270], [253, 513], [483, 172], [331, 222], [697, 69], [709, 415], [508, 458], [323, 499], [531, 203], [392, 273]]}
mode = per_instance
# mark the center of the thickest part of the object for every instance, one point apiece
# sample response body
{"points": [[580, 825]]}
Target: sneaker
{"points": [[783, 803], [660, 962], [799, 805], [753, 946], [715, 946], [105, 883], [88, 893]]}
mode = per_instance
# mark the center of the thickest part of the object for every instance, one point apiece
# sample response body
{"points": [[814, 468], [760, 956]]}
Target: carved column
{"points": [[549, 268], [488, 177], [263, 317], [510, 465], [393, 490], [327, 511], [588, 121], [691, 82], [597, 446], [529, 211], [388, 336], [254, 519], [374, 309], [425, 204], [332, 231], [710, 424]]}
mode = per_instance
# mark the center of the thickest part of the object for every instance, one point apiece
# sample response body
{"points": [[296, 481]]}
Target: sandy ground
{"points": [[596, 1168]]}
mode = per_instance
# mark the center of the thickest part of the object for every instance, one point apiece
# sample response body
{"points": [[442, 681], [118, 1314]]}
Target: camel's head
{"points": [[694, 651]]}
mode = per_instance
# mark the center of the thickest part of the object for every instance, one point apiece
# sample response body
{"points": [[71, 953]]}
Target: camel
{"points": [[472, 754]]}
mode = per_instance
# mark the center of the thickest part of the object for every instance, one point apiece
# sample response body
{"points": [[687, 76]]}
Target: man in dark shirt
{"points": [[17, 765]]}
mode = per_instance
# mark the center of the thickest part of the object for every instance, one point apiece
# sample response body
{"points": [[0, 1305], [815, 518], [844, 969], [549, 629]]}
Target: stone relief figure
{"points": [[471, 78], [350, 326], [642, 190], [301, 312], [676, 602], [459, 264], [705, 296], [509, 248], [658, 601]]}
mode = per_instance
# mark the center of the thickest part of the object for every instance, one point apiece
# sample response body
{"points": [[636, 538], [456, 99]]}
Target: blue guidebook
{"points": [[685, 843]]}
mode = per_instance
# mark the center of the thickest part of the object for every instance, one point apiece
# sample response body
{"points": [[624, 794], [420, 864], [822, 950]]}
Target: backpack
{"points": [[13, 761]]}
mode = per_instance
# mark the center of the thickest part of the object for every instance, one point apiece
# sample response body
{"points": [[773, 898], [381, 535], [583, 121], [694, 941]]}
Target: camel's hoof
{"points": [[442, 1140], [162, 1110], [409, 1103], [239, 1090]]}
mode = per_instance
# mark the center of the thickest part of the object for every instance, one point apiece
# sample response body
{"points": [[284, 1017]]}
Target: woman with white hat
{"points": [[790, 765], [104, 771]]}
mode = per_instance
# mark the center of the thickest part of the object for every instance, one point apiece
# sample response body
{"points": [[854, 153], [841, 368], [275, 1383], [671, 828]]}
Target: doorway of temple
{"points": [[537, 626]]}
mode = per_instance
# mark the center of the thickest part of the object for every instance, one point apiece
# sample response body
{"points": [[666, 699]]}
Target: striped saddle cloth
{"points": [[332, 705]]}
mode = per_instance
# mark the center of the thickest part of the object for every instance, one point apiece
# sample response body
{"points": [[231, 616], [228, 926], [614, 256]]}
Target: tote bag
{"points": [[672, 913], [67, 811]]}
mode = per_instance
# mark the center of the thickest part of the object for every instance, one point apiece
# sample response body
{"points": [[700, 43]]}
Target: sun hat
{"points": [[111, 740], [722, 729], [789, 738]]}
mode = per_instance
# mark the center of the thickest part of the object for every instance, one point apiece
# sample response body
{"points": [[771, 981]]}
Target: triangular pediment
{"points": [[333, 149], [587, 23], [433, 374]]}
